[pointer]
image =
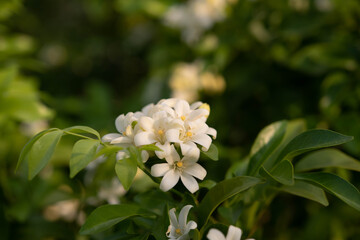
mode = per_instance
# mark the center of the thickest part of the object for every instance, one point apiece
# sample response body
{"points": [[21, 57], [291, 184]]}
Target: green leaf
{"points": [[306, 190], [105, 217], [312, 140], [334, 185], [212, 152], [150, 147], [26, 149], [83, 153], [161, 223], [207, 184], [283, 173], [266, 142], [222, 191], [108, 150], [194, 234], [82, 130], [135, 154], [126, 170], [327, 158], [42, 151]]}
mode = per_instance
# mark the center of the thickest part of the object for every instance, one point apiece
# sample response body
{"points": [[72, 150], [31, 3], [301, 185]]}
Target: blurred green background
{"points": [[84, 62]]}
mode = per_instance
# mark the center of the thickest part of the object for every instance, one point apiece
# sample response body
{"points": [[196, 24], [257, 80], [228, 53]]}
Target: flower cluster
{"points": [[179, 228], [171, 125]]}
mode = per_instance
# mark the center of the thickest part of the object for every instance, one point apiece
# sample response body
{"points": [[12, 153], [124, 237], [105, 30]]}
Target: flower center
{"points": [[178, 231], [183, 118], [179, 164], [160, 132], [189, 134]]}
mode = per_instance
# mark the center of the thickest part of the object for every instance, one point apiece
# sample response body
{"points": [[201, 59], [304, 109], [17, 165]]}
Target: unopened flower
{"points": [[234, 233], [179, 227], [185, 169]]}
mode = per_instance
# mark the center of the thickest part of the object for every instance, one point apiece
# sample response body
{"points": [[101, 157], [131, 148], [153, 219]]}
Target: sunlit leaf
{"points": [[222, 191], [105, 217], [327, 158], [82, 130], [126, 170], [266, 142], [150, 147], [334, 185], [306, 190], [83, 153], [42, 151], [212, 152], [312, 140]]}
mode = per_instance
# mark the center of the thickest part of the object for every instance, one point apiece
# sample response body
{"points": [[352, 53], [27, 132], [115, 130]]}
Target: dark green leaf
{"points": [[312, 140], [194, 234], [82, 130], [126, 170], [105, 217], [207, 184], [306, 190], [222, 191], [212, 152], [334, 185], [42, 151], [282, 173], [327, 158], [83, 153], [266, 142], [26, 149]]}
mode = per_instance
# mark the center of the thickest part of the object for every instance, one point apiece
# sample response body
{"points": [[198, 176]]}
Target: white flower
{"points": [[175, 168], [234, 233], [179, 230]]}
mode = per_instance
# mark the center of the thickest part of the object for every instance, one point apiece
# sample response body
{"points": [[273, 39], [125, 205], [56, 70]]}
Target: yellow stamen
{"points": [[178, 231], [160, 132], [183, 118], [179, 164], [189, 134]]}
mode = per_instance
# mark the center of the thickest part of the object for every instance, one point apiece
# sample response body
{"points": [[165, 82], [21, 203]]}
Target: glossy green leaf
{"points": [[312, 140], [306, 190], [222, 191], [150, 147], [266, 142], [282, 173], [126, 170], [212, 152], [334, 185], [135, 154], [108, 150], [106, 216], [83, 153], [327, 158], [207, 184], [26, 149], [42, 151], [82, 130]]}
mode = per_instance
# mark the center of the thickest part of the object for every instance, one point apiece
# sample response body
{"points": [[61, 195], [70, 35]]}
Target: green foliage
{"points": [[107, 216], [212, 153], [126, 170], [283, 173]]}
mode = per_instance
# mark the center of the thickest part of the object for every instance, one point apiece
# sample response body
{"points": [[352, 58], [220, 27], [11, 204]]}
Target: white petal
{"points": [[159, 170], [198, 113], [144, 155], [169, 180], [196, 105], [183, 216], [212, 132], [189, 182], [234, 233], [196, 170], [146, 123], [121, 139], [189, 148], [147, 109], [109, 137], [203, 139], [144, 138], [172, 135], [182, 108], [173, 220], [165, 150], [173, 156], [119, 123], [215, 234], [184, 237], [191, 225], [121, 155]]}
